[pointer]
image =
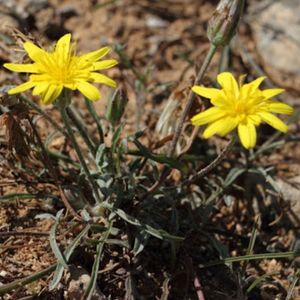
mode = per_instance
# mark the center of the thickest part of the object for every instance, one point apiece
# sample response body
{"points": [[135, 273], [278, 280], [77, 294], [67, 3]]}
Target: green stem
{"points": [[43, 113], [94, 115], [83, 164], [73, 115]]}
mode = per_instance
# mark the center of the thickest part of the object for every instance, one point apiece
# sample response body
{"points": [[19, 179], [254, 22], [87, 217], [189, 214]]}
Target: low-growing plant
{"points": [[121, 192]]}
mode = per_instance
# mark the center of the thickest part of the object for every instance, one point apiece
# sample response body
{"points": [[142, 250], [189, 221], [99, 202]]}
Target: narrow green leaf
{"points": [[53, 244], [160, 158], [140, 242], [91, 286], [257, 281], [290, 255], [116, 138], [5, 288], [67, 253], [158, 233]]}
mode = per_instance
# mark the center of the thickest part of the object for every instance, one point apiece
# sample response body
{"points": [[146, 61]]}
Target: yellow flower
{"points": [[243, 106], [62, 68]]}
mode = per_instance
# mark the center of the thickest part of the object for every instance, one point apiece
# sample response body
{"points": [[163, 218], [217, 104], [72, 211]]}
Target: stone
{"points": [[276, 28]]}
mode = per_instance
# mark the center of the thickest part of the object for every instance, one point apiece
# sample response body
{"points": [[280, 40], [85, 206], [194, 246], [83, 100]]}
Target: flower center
{"points": [[64, 67]]}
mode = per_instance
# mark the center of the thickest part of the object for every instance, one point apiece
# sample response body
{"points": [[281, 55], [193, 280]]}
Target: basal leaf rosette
{"points": [[241, 106], [61, 68]]}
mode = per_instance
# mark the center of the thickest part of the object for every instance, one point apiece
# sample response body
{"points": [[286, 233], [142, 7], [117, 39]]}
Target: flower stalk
{"points": [[90, 106], [76, 120], [66, 120], [191, 97]]}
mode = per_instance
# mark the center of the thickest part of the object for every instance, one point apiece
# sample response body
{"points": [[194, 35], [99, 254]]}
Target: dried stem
{"points": [[191, 97], [210, 54], [212, 165]]}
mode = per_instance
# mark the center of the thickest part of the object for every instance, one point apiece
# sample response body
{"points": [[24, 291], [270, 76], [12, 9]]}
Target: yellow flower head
{"points": [[62, 68], [243, 106]]}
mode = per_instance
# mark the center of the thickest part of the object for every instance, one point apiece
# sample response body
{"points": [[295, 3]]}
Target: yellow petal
{"points": [[255, 119], [208, 116], [247, 134], [229, 84], [270, 93], [34, 52], [252, 87], [100, 78], [222, 100], [257, 82], [228, 125], [51, 94], [105, 64], [26, 68], [88, 91], [21, 88], [40, 88], [280, 108], [40, 78], [71, 86], [273, 121], [63, 45], [206, 92], [95, 55], [216, 127]]}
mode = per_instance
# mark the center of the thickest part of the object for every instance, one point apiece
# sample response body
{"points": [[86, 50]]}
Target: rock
{"points": [[276, 28], [77, 284], [291, 193], [26, 7]]}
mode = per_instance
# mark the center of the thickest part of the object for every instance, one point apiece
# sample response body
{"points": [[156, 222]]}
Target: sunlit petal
{"points": [[248, 89], [229, 84], [208, 116], [280, 108], [273, 121], [40, 88], [34, 52], [229, 124], [63, 45], [105, 64], [21, 88], [206, 92], [255, 119], [247, 134], [270, 93], [214, 128], [95, 55], [88, 90], [100, 78], [26, 68], [51, 94]]}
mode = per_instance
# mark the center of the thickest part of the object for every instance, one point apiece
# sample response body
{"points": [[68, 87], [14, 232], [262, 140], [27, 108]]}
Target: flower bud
{"points": [[116, 106], [224, 22]]}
